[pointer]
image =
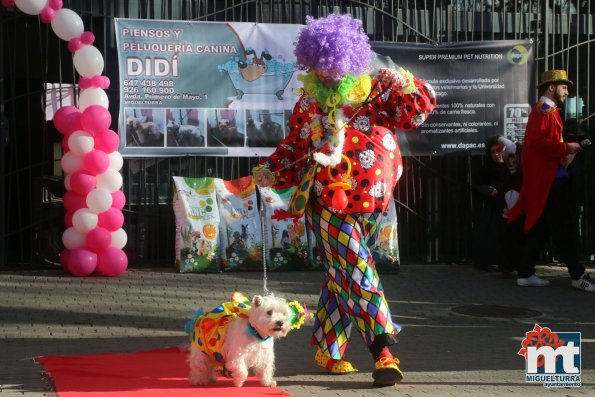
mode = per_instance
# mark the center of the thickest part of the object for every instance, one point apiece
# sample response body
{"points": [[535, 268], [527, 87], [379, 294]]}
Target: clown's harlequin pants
{"points": [[351, 292]]}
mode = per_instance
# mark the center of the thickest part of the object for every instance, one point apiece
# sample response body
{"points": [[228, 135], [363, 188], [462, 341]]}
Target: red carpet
{"points": [[156, 373]]}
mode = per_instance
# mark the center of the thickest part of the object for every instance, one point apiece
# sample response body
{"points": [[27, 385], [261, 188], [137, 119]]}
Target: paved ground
{"points": [[443, 353]]}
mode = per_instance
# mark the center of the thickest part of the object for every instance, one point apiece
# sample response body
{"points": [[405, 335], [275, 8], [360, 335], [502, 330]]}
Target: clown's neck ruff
{"points": [[336, 142], [349, 90]]}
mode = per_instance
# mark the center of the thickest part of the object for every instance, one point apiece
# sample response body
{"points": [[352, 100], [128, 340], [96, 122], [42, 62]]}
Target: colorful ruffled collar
{"points": [[350, 89]]}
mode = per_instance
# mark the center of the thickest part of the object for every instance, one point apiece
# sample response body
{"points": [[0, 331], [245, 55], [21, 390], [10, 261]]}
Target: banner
{"points": [[228, 89], [204, 87], [483, 88]]}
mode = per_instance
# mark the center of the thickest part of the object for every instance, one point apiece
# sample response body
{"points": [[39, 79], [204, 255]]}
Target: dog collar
{"points": [[252, 331]]}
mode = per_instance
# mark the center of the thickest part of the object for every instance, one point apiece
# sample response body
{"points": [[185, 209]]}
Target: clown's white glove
{"points": [[399, 80]]}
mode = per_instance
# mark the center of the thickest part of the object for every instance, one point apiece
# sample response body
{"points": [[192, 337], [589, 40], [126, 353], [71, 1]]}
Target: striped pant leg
{"points": [[352, 293]]}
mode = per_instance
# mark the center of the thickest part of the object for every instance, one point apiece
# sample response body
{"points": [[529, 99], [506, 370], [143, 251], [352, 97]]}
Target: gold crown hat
{"points": [[554, 76]]}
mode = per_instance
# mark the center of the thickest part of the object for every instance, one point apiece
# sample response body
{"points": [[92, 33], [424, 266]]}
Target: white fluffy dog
{"points": [[244, 343]]}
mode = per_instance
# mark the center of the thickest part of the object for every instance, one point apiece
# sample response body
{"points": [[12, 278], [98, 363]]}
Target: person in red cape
{"points": [[342, 137], [545, 191]]}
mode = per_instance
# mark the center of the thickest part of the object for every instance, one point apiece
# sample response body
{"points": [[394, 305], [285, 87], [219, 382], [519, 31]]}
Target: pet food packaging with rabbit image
{"points": [[241, 232], [386, 252], [285, 237], [197, 225]]}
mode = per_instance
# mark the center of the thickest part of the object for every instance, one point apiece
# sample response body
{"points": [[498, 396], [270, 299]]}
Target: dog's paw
{"points": [[196, 381], [201, 379], [238, 382], [269, 383]]}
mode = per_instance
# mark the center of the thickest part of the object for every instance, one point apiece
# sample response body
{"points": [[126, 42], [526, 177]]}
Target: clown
{"points": [[342, 136]]}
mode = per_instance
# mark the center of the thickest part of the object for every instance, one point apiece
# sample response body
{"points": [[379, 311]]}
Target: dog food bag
{"points": [[241, 232], [386, 251], [285, 237], [197, 225], [314, 256]]}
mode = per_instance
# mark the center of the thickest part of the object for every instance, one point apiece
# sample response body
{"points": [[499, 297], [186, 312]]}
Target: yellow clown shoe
{"points": [[334, 367], [387, 372]]}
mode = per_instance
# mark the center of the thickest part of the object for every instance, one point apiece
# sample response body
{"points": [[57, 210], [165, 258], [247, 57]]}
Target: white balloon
{"points": [[67, 24], [88, 61], [70, 162], [119, 238], [93, 96], [81, 142], [73, 239], [84, 220], [31, 7], [115, 160], [99, 200], [110, 180], [67, 182]]}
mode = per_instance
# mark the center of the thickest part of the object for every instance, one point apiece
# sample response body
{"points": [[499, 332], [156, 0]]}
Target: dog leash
{"points": [[264, 248]]}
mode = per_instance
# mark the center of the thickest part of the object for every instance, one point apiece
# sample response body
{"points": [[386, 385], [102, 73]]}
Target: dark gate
{"points": [[435, 200]]}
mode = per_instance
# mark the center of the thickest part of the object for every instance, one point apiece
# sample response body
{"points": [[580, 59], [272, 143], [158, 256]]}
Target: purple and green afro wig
{"points": [[335, 45]]}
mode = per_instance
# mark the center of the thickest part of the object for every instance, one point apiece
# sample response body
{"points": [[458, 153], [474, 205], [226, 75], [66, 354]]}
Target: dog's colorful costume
{"points": [[346, 134], [209, 329]]}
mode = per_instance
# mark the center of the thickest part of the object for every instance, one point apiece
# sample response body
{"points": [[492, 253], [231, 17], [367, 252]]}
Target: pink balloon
{"points": [[105, 82], [74, 45], [82, 262], [85, 82], [112, 262], [87, 37], [67, 119], [108, 141], [47, 15], [82, 182], [118, 199], [55, 4], [73, 201], [97, 80], [98, 239], [112, 219], [64, 257], [68, 218], [96, 162], [96, 119]]}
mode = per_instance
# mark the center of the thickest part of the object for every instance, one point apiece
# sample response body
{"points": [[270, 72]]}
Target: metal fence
{"points": [[436, 204]]}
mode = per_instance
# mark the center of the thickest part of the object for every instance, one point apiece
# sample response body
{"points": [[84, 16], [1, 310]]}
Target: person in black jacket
{"points": [[486, 233], [512, 236]]}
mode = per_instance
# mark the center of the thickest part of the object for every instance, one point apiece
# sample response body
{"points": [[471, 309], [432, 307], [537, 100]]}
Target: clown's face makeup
{"points": [[327, 79]]}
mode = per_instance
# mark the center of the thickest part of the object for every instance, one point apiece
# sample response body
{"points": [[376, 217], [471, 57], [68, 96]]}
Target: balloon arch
{"points": [[94, 238]]}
